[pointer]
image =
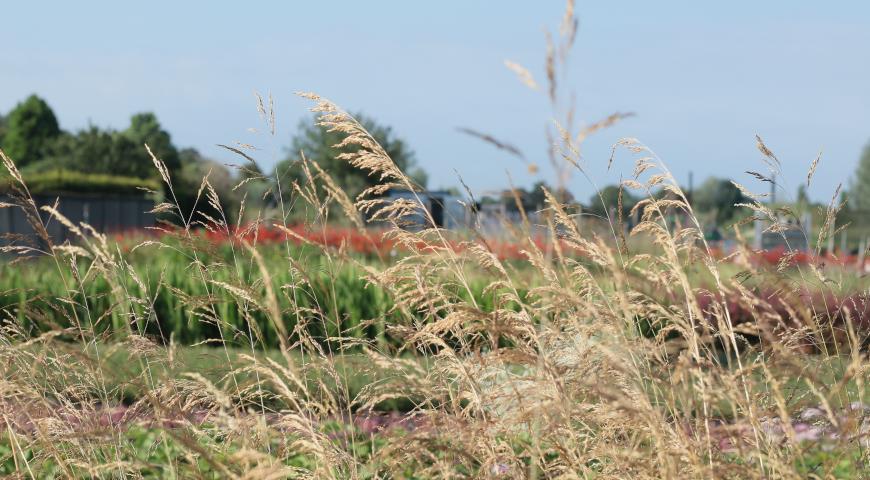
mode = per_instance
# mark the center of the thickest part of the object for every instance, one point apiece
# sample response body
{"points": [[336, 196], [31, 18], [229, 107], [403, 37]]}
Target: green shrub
{"points": [[68, 181]]}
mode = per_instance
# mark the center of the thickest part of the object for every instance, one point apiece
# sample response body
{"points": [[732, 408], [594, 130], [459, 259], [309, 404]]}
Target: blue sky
{"points": [[703, 79]]}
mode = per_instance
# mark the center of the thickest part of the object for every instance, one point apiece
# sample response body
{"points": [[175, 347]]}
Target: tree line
{"points": [[32, 137], [30, 134]]}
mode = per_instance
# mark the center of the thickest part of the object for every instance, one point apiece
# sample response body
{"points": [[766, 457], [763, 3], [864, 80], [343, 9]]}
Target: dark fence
{"points": [[106, 213]]}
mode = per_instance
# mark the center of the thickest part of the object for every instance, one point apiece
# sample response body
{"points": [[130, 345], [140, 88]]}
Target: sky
{"points": [[702, 78]]}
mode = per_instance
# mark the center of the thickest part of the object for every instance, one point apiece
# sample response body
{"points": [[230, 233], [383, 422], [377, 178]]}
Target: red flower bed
{"points": [[366, 242], [376, 243]]}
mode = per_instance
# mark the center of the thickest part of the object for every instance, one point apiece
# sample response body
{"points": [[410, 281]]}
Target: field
{"points": [[324, 337], [348, 352]]}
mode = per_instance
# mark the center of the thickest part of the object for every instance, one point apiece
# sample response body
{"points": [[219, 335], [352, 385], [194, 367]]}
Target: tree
{"points": [[534, 199], [509, 197], [93, 150], [318, 144], [145, 129], [608, 198], [195, 167], [718, 197], [31, 126], [87, 151], [802, 200], [803, 197], [859, 188], [2, 129]]}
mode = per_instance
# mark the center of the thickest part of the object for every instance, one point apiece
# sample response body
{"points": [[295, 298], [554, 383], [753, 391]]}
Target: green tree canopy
{"points": [[608, 198], [859, 188], [195, 167], [534, 198], [31, 126], [718, 196], [2, 129], [802, 199], [146, 129], [802, 195], [35, 142], [93, 150], [509, 197], [318, 144]]}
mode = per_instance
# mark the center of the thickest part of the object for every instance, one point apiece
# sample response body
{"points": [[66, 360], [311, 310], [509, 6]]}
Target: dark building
{"points": [[106, 213], [446, 209]]}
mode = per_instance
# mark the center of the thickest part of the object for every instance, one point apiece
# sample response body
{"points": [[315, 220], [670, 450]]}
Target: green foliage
{"points": [[96, 151], [150, 451], [31, 126], [608, 199], [32, 138], [319, 145], [840, 463], [534, 198], [332, 301], [104, 160], [97, 159], [802, 197], [195, 167], [60, 180], [802, 203], [146, 129], [344, 299], [859, 190], [718, 196]]}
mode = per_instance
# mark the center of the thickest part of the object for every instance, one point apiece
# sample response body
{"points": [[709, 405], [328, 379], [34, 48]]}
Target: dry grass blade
{"points": [[771, 159], [507, 147], [522, 73], [557, 341], [608, 122], [551, 69], [239, 152], [813, 166]]}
